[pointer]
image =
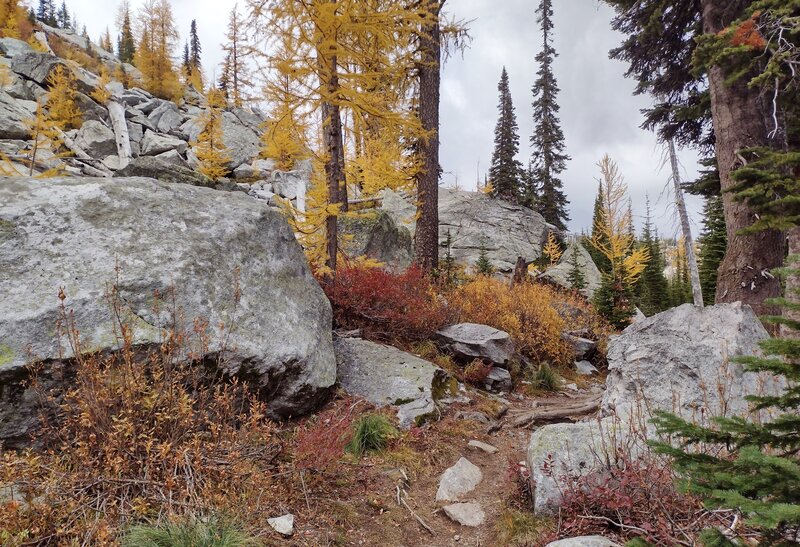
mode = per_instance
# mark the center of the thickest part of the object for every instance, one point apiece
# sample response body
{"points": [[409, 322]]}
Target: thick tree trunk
{"points": [[740, 122], [426, 238], [116, 112], [688, 241]]}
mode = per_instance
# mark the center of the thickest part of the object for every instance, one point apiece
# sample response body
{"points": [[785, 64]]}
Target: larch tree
{"points": [[210, 148], [126, 45], [505, 171], [613, 239], [105, 41], [549, 159], [235, 71], [12, 17], [61, 106], [45, 135], [157, 40], [600, 260], [673, 49]]}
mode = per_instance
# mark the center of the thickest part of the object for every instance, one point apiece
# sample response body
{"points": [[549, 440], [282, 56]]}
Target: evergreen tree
{"points": [[62, 17], [46, 13], [504, 174], [575, 277], [235, 76], [600, 260], [126, 47], [186, 66], [713, 242], [484, 266], [549, 159], [194, 72], [652, 294]]}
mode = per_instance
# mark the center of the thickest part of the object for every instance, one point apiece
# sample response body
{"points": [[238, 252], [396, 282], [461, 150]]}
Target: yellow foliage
{"points": [[45, 135], [284, 138], [36, 45], [14, 20], [210, 148], [612, 235], [525, 310], [157, 40], [552, 250], [101, 94], [487, 188], [5, 76], [61, 107]]}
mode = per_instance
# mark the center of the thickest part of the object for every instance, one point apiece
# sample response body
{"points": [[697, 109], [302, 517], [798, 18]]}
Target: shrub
{"points": [[476, 373], [524, 310], [371, 433], [545, 378], [139, 434], [190, 533], [320, 441], [386, 307]]}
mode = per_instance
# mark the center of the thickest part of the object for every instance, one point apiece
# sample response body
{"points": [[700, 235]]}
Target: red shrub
{"points": [[385, 306], [476, 373]]}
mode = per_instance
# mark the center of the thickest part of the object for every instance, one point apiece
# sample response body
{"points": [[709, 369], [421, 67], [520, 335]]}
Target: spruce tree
{"points": [[484, 266], [194, 47], [549, 159], [713, 242], [652, 294], [505, 171], [62, 16], [126, 46], [600, 260], [575, 277], [46, 13]]}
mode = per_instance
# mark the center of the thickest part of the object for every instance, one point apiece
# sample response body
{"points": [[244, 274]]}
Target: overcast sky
{"points": [[599, 114]]}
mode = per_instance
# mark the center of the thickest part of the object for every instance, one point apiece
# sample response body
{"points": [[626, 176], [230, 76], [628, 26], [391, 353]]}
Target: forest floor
{"points": [[356, 501]]}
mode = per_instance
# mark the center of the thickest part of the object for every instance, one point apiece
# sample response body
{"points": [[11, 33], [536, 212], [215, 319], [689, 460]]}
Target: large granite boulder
{"points": [[96, 139], [384, 375], [223, 257], [243, 144], [154, 144], [559, 274], [468, 341], [476, 221], [677, 361], [13, 115], [163, 170], [376, 235]]}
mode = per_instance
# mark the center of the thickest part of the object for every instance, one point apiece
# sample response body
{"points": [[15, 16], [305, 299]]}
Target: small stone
{"points": [[571, 387], [499, 379], [585, 541], [458, 480], [283, 525], [466, 514], [489, 449], [585, 368]]}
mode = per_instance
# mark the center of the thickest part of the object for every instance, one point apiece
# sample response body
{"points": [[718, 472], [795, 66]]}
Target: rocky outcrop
{"points": [[194, 246], [384, 375], [559, 274], [163, 170], [96, 139], [677, 361], [476, 221], [13, 115], [469, 341], [376, 235]]}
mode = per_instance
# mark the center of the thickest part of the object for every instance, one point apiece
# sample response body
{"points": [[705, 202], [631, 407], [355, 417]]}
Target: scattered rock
{"points": [[172, 157], [287, 184], [474, 416], [96, 139], [375, 235], [583, 347], [243, 144], [11, 47], [489, 449], [498, 380], [13, 114], [458, 480], [585, 541], [585, 368], [466, 514], [74, 233], [245, 171], [283, 525], [559, 274], [384, 375], [154, 144], [157, 168], [468, 341]]}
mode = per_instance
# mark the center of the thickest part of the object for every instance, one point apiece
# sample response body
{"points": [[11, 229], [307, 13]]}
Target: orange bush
{"points": [[525, 311], [386, 307]]}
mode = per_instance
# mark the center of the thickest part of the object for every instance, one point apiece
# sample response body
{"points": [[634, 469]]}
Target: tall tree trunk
{"points": [[334, 172], [688, 241], [740, 122], [426, 238]]}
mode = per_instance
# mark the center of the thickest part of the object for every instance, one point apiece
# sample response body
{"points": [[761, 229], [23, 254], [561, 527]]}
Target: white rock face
{"points": [[459, 480], [466, 514], [96, 139], [72, 233], [559, 274]]}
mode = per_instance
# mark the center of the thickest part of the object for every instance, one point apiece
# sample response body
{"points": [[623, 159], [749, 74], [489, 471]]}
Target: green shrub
{"points": [[372, 433], [193, 533], [545, 378]]}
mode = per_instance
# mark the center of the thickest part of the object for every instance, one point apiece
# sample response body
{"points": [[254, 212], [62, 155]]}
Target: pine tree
{"points": [[195, 68], [713, 242], [63, 17], [46, 13], [483, 266], [126, 46], [235, 73], [549, 159], [652, 294], [600, 260], [210, 148], [575, 277], [505, 170]]}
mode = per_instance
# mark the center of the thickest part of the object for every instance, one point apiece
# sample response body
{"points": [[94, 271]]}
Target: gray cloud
{"points": [[599, 114]]}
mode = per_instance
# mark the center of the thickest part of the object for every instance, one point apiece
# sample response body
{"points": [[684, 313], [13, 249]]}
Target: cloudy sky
{"points": [[599, 114]]}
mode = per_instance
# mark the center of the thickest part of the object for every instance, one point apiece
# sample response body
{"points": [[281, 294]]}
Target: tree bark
{"points": [[116, 112], [426, 238], [333, 147], [688, 241], [740, 122]]}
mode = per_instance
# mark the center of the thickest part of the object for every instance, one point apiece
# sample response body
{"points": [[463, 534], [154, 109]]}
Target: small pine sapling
{"points": [[484, 266], [552, 249], [576, 277]]}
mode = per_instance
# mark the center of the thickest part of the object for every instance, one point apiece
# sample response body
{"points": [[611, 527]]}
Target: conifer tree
{"points": [[483, 266], [126, 46], [235, 73], [504, 173], [45, 134], [600, 260], [11, 14], [156, 44], [651, 290], [210, 148], [63, 18], [549, 159], [61, 106], [713, 242], [105, 41], [195, 68], [575, 277], [46, 13], [551, 250]]}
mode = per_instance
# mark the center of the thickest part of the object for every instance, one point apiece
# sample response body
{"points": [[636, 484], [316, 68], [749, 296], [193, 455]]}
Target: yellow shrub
{"points": [[525, 311]]}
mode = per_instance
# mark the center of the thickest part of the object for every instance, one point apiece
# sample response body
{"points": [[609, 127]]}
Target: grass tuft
{"points": [[372, 433], [191, 533], [545, 378]]}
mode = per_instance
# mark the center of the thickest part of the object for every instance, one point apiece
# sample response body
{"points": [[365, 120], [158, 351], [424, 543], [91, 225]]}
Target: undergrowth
{"points": [[371, 433], [212, 532]]}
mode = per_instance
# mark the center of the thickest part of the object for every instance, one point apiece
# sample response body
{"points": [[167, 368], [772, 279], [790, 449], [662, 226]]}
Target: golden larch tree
{"points": [[157, 39], [61, 106], [45, 135], [210, 148]]}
